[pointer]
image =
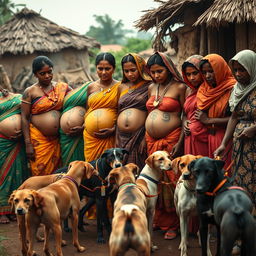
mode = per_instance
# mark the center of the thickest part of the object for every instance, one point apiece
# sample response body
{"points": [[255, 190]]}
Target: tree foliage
{"points": [[7, 10]]}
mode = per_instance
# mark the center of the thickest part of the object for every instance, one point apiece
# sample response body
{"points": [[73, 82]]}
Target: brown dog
{"points": [[150, 176], [52, 204], [129, 225], [184, 196]]}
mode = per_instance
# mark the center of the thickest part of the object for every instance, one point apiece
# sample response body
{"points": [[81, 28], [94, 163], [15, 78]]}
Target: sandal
{"points": [[4, 219], [170, 234]]}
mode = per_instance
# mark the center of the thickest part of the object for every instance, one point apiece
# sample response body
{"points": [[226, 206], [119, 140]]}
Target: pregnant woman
{"points": [[40, 113], [132, 109]]}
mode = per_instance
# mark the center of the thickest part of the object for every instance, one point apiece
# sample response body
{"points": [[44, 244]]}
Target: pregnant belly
{"points": [[159, 124], [48, 123], [72, 118], [11, 126], [131, 119], [99, 119]]}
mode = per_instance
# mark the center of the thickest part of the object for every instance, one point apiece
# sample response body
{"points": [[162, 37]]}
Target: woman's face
{"points": [[208, 74], [194, 76], [44, 75], [131, 72], [240, 73], [105, 70], [160, 74]]}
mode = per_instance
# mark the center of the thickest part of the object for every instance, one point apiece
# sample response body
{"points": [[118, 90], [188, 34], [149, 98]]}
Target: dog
{"points": [[184, 196], [98, 192], [229, 206], [51, 204], [129, 225], [150, 176]]}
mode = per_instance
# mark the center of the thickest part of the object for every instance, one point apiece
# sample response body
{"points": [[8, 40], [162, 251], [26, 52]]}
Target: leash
{"points": [[219, 186]]}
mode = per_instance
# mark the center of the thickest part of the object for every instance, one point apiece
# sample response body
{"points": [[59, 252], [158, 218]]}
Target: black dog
{"points": [[227, 206], [97, 191]]}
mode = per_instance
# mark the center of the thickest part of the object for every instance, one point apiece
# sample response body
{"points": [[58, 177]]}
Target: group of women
{"points": [[154, 107]]}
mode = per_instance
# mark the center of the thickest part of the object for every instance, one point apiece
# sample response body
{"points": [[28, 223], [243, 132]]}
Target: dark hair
{"points": [[202, 62], [128, 58], [39, 62], [106, 56], [187, 64], [156, 59]]}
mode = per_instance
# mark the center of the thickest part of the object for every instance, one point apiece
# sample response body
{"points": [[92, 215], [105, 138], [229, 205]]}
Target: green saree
{"points": [[72, 147], [13, 161]]}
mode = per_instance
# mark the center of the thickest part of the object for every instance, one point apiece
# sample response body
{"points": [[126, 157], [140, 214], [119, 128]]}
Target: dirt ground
{"points": [[12, 247]]}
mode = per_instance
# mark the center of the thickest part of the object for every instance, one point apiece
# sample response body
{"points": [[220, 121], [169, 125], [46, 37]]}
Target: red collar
{"points": [[213, 193]]}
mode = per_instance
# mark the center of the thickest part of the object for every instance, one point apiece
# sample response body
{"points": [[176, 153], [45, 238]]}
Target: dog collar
{"points": [[72, 179], [213, 193], [126, 185], [149, 178]]}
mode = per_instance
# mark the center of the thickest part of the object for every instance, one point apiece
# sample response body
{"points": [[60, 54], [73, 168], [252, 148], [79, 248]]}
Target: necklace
{"points": [[106, 90], [158, 97], [54, 99]]}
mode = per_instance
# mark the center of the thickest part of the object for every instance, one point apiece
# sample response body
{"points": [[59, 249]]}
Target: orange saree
{"points": [[47, 148]]}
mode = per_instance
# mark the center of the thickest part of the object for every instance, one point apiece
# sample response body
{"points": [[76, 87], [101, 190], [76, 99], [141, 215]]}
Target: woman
{"points": [[101, 114], [13, 162], [241, 126], [196, 137], [72, 125], [212, 101], [163, 130], [132, 111], [40, 117]]}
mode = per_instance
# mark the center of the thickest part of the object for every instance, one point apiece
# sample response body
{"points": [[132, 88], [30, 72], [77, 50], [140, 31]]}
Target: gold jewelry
{"points": [[55, 98], [159, 98]]}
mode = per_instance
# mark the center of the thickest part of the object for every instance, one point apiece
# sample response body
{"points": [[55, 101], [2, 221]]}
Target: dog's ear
{"points": [[89, 170], [191, 165], [105, 153], [150, 161], [175, 165], [124, 151], [10, 201], [134, 168], [198, 156], [219, 164], [38, 199]]}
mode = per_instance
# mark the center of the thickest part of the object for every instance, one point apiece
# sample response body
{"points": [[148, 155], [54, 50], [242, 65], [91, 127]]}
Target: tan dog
{"points": [[129, 225], [52, 204], [150, 176], [184, 197]]}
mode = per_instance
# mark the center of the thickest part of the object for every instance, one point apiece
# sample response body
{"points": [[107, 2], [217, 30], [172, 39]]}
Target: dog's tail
{"points": [[129, 210], [238, 211]]}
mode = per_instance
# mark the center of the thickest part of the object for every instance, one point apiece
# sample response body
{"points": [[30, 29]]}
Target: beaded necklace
{"points": [[54, 99]]}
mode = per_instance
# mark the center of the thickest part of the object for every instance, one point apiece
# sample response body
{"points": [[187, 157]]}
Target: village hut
{"points": [[202, 26], [27, 34]]}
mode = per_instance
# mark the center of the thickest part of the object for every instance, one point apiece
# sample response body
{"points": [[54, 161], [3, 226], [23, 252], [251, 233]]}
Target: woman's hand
{"points": [[30, 151], [186, 127], [105, 133], [219, 151], [247, 133], [177, 150], [201, 116], [76, 130]]}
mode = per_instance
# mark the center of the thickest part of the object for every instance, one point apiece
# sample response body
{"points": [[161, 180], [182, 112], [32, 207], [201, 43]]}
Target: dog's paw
{"points": [[80, 248], [101, 240], [63, 243], [154, 248]]}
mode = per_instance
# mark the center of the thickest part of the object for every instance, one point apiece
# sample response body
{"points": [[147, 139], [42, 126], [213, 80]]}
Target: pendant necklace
{"points": [[159, 98], [55, 97], [107, 89]]}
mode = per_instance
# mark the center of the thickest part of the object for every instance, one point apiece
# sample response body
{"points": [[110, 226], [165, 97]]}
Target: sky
{"points": [[78, 14]]}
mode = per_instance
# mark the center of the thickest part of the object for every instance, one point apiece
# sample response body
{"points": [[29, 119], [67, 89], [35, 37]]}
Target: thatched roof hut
{"points": [[28, 35], [204, 26]]}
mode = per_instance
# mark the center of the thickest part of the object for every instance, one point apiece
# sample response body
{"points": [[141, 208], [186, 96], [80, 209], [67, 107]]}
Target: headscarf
{"points": [[171, 67], [141, 66], [247, 59], [215, 99], [194, 60]]}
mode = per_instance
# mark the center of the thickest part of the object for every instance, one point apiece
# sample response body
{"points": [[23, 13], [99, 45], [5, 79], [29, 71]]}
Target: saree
{"points": [[72, 146], [134, 97], [47, 148], [196, 143], [214, 100], [105, 102], [13, 161]]}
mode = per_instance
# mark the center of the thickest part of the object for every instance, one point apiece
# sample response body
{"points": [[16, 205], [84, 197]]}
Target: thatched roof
{"points": [[28, 32], [221, 12]]}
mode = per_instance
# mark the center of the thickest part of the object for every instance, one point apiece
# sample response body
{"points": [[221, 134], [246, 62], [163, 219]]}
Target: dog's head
{"points": [[86, 169], [208, 173], [159, 160], [180, 165], [123, 174], [24, 199], [115, 156]]}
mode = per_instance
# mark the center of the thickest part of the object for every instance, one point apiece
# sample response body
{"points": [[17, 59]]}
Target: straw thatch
{"points": [[222, 12], [28, 32]]}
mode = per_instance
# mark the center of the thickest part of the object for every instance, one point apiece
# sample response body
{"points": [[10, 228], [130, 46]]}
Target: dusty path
{"points": [[88, 239]]}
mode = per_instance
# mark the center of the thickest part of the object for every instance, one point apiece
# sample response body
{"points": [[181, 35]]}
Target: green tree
{"points": [[7, 10], [108, 31], [137, 45]]}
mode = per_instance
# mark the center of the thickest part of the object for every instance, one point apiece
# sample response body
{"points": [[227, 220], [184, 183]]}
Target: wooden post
{"points": [[241, 36], [203, 42], [212, 40], [252, 36]]}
